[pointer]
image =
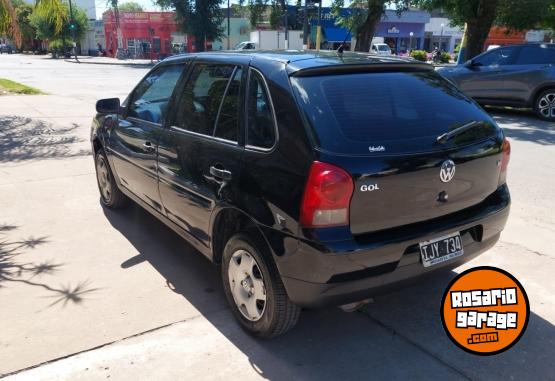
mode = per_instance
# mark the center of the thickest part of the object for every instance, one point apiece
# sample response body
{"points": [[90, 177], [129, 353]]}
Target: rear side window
{"points": [[534, 55], [386, 112], [202, 97], [261, 131], [151, 97]]}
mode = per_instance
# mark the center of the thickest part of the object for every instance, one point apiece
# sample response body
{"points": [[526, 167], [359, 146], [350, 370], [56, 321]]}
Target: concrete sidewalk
{"points": [[111, 61]]}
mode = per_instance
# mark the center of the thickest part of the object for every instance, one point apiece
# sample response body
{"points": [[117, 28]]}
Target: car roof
{"points": [[311, 60]]}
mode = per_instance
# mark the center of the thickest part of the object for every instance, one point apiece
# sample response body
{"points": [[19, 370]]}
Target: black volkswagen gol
{"points": [[313, 179]]}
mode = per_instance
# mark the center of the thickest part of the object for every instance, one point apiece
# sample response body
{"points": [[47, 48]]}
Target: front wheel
{"points": [[545, 105], [254, 289], [110, 195]]}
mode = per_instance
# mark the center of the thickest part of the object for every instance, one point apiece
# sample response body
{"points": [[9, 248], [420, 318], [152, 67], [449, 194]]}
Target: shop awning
{"points": [[337, 34]]}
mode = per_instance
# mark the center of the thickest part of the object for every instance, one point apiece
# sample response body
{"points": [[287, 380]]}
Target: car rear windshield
{"points": [[399, 112]]}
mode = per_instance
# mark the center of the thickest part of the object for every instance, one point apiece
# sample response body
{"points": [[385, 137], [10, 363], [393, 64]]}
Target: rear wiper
{"points": [[457, 131]]}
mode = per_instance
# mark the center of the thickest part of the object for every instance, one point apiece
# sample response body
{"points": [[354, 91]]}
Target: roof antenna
{"points": [[342, 46]]}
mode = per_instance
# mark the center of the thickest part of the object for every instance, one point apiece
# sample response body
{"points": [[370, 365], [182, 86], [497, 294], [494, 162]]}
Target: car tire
{"points": [[110, 195], [544, 105], [254, 289]]}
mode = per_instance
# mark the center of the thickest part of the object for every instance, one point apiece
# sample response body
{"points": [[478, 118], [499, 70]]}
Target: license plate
{"points": [[441, 249]]}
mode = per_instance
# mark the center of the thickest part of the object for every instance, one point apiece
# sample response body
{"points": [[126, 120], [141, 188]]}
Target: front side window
{"points": [[151, 97], [499, 56], [260, 119], [202, 97]]}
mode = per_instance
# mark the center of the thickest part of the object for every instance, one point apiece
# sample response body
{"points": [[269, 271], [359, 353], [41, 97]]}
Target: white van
{"points": [[381, 49]]}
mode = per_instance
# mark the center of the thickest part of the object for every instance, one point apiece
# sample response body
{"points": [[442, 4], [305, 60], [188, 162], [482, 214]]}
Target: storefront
{"points": [[141, 32], [401, 32]]}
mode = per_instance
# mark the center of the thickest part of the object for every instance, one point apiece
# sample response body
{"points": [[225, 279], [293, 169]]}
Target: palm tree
{"points": [[52, 9], [8, 22]]}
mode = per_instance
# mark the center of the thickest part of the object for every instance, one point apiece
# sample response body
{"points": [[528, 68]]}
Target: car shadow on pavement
{"points": [[521, 124], [397, 336]]}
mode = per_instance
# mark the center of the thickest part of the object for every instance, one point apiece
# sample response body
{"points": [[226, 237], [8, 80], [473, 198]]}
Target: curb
{"points": [[139, 64]]}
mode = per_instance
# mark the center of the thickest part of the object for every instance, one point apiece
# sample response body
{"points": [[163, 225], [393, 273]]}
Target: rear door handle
{"points": [[219, 173], [149, 147]]}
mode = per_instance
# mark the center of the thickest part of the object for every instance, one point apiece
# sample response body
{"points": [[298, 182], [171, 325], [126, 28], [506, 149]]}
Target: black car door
{"points": [[133, 142], [200, 152]]}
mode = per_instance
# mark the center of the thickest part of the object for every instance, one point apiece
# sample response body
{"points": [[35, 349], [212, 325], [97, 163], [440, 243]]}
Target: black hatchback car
{"points": [[312, 179]]}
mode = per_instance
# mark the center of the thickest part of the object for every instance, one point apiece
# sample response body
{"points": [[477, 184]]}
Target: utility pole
{"points": [[228, 26], [319, 28], [72, 29], [286, 26], [305, 25]]}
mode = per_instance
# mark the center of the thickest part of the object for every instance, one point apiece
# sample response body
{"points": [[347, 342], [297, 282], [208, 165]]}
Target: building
{"points": [[439, 33], [398, 31], [140, 32], [238, 32]]}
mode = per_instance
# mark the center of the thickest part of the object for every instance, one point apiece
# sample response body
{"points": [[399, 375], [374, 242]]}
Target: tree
{"points": [[28, 32], [130, 6], [363, 18], [8, 22], [481, 15], [201, 19], [256, 11], [59, 39]]}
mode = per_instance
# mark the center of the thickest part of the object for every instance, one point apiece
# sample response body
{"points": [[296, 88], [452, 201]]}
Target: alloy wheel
{"points": [[247, 285], [546, 105]]}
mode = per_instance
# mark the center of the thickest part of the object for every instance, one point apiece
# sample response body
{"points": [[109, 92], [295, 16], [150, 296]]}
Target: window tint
{"points": [[386, 112], [151, 97], [530, 55], [202, 97], [228, 118], [261, 128], [499, 56]]}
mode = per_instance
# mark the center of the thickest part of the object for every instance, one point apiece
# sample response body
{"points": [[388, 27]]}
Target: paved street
{"points": [[119, 295]]}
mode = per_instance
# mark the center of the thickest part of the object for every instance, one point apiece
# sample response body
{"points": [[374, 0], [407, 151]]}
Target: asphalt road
{"points": [[86, 293]]}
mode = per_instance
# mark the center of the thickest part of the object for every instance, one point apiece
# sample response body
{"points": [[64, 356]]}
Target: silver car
{"points": [[516, 75]]}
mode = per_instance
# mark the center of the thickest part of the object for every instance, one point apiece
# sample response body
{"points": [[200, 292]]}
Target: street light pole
{"points": [[319, 28], [305, 25], [410, 41], [72, 29], [286, 26], [228, 23], [441, 37]]}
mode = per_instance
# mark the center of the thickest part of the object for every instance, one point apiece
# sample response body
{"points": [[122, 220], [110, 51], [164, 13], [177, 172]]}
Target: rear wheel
{"points": [[545, 105], [254, 289], [110, 195]]}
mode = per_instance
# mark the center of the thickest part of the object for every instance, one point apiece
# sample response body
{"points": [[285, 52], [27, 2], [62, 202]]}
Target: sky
{"points": [[149, 6]]}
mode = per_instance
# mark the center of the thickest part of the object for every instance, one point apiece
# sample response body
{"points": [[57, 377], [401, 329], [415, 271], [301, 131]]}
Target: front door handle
{"points": [[149, 147], [220, 173]]}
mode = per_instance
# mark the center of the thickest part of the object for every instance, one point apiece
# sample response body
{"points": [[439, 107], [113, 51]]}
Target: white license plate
{"points": [[441, 249]]}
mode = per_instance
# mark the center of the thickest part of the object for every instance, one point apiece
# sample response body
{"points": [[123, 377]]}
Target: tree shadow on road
{"points": [[13, 270], [23, 138], [523, 125], [398, 336]]}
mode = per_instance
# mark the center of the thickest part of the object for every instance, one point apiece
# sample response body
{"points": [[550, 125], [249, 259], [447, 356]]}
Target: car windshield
{"points": [[383, 48], [399, 112]]}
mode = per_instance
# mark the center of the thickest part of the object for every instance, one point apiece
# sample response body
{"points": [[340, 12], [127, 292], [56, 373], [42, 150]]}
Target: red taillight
{"points": [[505, 156], [327, 196]]}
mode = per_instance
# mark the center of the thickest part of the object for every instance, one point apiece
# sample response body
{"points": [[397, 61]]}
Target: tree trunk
{"points": [[365, 32], [478, 27]]}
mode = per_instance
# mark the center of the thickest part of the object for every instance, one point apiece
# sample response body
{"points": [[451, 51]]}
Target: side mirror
{"points": [[469, 63], [108, 106]]}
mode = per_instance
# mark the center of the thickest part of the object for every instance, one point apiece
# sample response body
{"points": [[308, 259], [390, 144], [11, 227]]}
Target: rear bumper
{"points": [[341, 272]]}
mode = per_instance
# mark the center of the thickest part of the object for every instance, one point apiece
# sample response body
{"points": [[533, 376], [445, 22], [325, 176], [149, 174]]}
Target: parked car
{"points": [[6, 48], [516, 75], [312, 179], [381, 49], [245, 45]]}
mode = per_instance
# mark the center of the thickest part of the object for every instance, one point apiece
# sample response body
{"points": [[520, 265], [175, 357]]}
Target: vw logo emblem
{"points": [[447, 171]]}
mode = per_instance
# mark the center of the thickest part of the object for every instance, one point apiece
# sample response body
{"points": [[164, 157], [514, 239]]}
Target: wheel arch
{"points": [[228, 222], [539, 90]]}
